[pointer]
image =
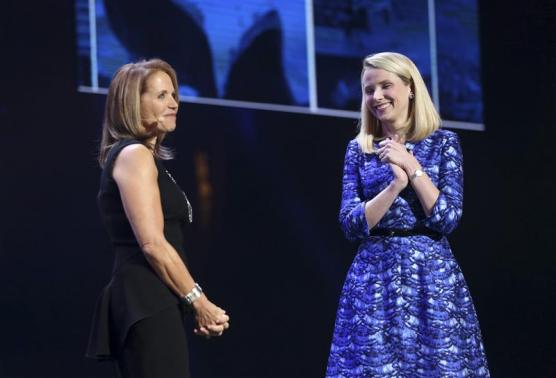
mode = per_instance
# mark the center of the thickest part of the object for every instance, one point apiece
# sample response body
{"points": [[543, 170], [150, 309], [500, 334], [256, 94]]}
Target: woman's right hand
{"points": [[211, 319], [393, 152], [400, 177]]}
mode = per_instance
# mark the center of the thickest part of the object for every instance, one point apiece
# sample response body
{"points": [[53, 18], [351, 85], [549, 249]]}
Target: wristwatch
{"points": [[418, 173]]}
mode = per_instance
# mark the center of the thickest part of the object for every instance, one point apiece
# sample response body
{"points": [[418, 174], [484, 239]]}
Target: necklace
{"points": [[189, 208]]}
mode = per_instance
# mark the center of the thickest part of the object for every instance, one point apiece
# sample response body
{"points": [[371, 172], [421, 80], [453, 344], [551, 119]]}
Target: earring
{"points": [[411, 95]]}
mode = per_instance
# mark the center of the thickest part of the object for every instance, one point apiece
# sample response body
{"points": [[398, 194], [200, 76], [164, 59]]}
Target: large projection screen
{"points": [[301, 56]]}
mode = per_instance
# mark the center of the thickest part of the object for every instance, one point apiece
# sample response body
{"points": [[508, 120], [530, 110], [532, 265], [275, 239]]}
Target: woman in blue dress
{"points": [[405, 309]]}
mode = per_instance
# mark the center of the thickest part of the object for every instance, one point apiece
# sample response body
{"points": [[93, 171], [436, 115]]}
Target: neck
{"points": [[151, 142], [390, 130]]}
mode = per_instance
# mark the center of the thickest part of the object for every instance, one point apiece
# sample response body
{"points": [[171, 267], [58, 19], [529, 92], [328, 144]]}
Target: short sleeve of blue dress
{"points": [[405, 309]]}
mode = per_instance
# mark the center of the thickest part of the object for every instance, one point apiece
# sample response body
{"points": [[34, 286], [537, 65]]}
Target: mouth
{"points": [[171, 115], [382, 106]]}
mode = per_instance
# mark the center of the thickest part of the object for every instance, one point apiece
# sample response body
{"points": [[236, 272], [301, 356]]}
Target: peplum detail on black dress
{"points": [[135, 291]]}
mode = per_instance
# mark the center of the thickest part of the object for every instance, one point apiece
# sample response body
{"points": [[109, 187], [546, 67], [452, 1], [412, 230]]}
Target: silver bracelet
{"points": [[193, 295]]}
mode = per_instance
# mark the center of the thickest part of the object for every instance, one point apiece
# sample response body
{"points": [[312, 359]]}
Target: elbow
{"points": [[446, 223], [154, 251], [451, 220], [351, 237], [452, 224], [347, 228], [352, 232], [348, 234], [354, 224], [445, 214], [448, 228]]}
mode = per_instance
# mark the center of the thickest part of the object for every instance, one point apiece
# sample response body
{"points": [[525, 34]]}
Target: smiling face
{"points": [[386, 96], [159, 107]]}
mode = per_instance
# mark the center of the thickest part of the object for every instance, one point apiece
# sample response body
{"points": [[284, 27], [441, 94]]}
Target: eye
{"points": [[387, 85], [369, 91], [162, 96]]}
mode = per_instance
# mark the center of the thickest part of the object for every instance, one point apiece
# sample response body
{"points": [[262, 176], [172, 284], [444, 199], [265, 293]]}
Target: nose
{"points": [[173, 103], [377, 94]]}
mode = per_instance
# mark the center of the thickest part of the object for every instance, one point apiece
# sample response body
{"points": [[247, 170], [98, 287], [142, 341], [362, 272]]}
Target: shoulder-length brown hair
{"points": [[122, 114], [423, 118]]}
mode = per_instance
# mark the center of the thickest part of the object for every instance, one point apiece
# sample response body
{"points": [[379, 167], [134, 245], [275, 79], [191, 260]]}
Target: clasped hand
{"points": [[393, 152], [211, 319]]}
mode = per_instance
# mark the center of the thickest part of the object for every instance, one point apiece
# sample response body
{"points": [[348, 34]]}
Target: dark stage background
{"points": [[269, 250]]}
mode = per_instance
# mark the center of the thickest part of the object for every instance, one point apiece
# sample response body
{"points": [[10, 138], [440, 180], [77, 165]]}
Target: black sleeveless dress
{"points": [[135, 291]]}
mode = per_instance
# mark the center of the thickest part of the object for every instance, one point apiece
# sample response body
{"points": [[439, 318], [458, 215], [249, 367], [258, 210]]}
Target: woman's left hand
{"points": [[393, 152], [211, 319]]}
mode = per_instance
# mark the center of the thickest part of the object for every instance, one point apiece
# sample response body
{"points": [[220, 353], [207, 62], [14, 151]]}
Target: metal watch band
{"points": [[417, 173]]}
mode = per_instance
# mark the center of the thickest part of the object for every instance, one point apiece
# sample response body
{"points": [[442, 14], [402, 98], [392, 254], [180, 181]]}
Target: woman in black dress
{"points": [[138, 320]]}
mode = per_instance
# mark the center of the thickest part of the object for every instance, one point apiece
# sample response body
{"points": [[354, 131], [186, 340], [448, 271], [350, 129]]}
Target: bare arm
{"points": [[426, 191], [379, 205], [136, 174]]}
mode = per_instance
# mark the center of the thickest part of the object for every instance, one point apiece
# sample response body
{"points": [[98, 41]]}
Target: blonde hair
{"points": [[423, 118], [122, 115]]}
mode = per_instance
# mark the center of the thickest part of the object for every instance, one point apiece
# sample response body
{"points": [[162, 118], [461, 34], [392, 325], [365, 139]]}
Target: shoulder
{"points": [[353, 147], [136, 159], [135, 151], [443, 134], [443, 137], [353, 153], [447, 144]]}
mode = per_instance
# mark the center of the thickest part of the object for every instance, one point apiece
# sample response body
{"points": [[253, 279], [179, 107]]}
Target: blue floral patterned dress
{"points": [[405, 309]]}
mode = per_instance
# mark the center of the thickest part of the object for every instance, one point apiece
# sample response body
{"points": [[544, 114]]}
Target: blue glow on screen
{"points": [[256, 51]]}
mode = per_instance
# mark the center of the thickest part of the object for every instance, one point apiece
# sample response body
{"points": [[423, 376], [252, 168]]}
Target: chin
{"points": [[381, 118]]}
